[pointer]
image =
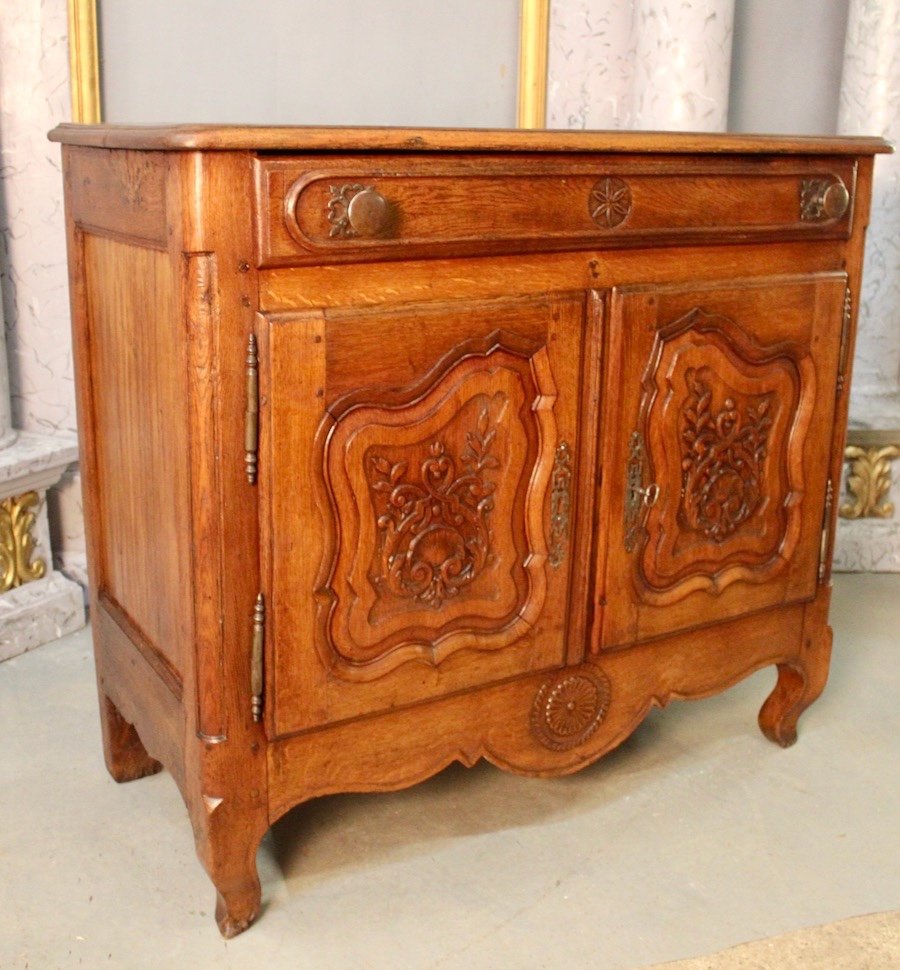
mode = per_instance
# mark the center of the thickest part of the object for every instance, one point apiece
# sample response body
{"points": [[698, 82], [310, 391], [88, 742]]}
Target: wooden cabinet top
{"points": [[304, 139]]}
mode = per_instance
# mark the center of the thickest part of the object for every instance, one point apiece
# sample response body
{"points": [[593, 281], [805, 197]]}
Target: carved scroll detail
{"points": [[338, 210], [435, 532], [17, 542], [568, 709], [723, 453]]}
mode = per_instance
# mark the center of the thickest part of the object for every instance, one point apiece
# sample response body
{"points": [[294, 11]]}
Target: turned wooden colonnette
{"points": [[405, 447]]}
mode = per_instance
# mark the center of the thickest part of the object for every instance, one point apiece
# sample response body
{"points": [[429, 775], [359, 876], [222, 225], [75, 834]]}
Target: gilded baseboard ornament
{"points": [[17, 542], [869, 482]]}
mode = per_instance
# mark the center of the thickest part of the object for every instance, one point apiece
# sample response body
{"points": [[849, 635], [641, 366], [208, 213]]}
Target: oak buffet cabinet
{"points": [[402, 447]]}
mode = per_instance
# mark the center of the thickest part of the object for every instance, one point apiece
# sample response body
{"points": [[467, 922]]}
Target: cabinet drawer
{"points": [[319, 209]]}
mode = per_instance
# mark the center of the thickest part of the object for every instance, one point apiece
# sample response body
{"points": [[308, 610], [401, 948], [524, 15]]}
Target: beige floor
{"points": [[860, 943], [694, 836]]}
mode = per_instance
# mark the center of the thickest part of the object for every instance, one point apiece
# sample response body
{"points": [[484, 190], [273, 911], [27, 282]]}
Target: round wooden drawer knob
{"points": [[823, 199], [835, 200], [369, 213]]}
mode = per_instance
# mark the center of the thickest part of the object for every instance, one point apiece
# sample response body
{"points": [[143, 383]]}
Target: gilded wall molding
{"points": [[868, 483], [84, 62], [534, 34]]}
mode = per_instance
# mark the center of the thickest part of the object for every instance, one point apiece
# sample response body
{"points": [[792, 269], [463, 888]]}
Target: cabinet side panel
{"points": [[138, 381], [119, 194]]}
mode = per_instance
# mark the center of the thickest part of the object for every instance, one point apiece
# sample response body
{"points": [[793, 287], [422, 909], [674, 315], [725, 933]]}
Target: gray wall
{"points": [[393, 62], [786, 65]]}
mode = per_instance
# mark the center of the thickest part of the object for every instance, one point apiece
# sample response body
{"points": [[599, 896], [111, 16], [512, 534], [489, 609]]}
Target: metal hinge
{"points": [[251, 415], [826, 531], [845, 341], [256, 657]]}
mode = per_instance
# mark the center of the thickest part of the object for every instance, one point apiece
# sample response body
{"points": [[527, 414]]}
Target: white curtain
{"points": [[649, 64]]}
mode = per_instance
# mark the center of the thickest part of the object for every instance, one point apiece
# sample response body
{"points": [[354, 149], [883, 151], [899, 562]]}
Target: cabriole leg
{"points": [[237, 904], [800, 682], [226, 844]]}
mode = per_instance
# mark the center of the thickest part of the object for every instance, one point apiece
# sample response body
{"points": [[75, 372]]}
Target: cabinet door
{"points": [[717, 449], [418, 474]]}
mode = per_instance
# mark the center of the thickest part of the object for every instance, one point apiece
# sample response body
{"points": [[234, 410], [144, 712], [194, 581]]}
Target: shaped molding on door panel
{"points": [[439, 489], [724, 421], [719, 432]]}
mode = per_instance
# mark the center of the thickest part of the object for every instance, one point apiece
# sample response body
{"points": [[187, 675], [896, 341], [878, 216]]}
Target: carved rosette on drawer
{"points": [[610, 202], [440, 496], [569, 707], [724, 435]]}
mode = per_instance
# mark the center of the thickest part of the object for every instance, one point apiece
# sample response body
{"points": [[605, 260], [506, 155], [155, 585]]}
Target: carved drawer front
{"points": [[726, 416], [418, 475], [333, 209]]}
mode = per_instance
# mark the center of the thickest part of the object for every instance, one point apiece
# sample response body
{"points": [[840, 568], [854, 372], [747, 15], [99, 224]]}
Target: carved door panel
{"points": [[418, 475], [717, 449]]}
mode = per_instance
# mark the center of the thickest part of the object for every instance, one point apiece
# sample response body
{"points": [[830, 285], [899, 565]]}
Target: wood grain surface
{"points": [[287, 138]]}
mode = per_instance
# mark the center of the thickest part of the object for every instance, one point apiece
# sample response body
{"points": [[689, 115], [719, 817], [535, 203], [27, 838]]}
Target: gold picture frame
{"points": [[84, 62], [534, 34], [534, 26]]}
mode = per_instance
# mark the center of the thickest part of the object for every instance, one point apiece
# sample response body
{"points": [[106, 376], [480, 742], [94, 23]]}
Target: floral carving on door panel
{"points": [[435, 526], [724, 421], [440, 490], [724, 452]]}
